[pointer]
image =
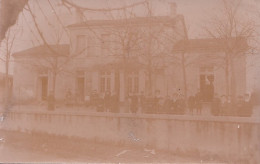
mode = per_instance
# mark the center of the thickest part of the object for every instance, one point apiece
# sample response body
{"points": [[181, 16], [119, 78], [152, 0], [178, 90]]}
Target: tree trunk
{"points": [[233, 80], [184, 75], [227, 75], [54, 84], [150, 78], [126, 78], [7, 90]]}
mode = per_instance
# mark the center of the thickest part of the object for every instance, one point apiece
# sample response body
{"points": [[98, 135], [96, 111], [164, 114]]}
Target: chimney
{"points": [[173, 9]]}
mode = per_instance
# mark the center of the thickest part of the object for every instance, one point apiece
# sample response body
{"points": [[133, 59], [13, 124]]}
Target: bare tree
{"points": [[235, 32], [123, 39], [56, 57], [7, 49], [147, 44]]}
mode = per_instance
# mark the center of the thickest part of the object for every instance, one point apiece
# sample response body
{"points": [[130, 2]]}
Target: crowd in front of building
{"points": [[176, 104], [156, 76]]}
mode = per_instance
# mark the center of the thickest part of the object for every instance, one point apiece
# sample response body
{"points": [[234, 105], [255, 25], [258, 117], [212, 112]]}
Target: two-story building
{"points": [[126, 56]]}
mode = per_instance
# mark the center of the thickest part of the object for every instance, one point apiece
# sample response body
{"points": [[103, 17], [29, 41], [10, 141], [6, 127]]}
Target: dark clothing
{"points": [[99, 104], [167, 106], [231, 109], [248, 107], [107, 102], [51, 102], [173, 108], [223, 108], [134, 104], [198, 103], [215, 107], [68, 98], [180, 106], [149, 105], [142, 102], [255, 98], [114, 104], [191, 103], [94, 99], [240, 108], [156, 104], [209, 92], [245, 109]]}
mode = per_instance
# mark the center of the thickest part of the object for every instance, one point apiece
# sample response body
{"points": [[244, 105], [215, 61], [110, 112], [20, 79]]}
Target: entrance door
{"points": [[206, 84], [117, 83], [80, 88], [44, 88]]}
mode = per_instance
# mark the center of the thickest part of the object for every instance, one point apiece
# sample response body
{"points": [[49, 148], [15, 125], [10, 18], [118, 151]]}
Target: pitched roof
{"points": [[43, 51], [210, 44], [136, 20]]}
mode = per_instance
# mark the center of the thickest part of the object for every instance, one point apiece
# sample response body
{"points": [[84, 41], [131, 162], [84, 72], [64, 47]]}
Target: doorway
{"points": [[44, 88], [207, 83], [80, 88]]}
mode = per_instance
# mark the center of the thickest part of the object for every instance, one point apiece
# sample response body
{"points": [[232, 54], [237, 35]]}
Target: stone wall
{"points": [[226, 137]]}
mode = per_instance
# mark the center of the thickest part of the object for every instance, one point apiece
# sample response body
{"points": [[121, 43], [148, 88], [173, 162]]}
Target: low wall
{"points": [[223, 136]]}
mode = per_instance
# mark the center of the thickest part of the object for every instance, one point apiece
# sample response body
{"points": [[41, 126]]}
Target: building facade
{"points": [[140, 55]]}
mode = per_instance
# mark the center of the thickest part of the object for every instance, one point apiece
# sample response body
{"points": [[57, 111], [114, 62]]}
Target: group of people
{"points": [[223, 106], [107, 103], [141, 103], [157, 104]]}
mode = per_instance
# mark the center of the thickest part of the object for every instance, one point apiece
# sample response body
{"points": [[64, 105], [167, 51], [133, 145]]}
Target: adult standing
{"points": [[68, 98], [223, 105], [198, 103], [180, 104], [107, 99], [100, 103], [215, 106], [157, 99], [142, 101], [114, 103], [191, 104], [173, 109], [51, 101], [167, 105], [134, 103], [240, 106], [248, 107]]}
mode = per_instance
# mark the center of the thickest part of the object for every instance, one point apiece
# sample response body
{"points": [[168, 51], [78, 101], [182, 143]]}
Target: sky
{"points": [[196, 13]]}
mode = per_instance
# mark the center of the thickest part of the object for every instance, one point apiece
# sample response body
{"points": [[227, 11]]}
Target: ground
{"points": [[23, 147], [35, 147]]}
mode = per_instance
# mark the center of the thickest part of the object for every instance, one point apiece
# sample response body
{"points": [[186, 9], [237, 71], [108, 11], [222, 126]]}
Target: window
{"points": [[81, 44], [80, 85], [105, 81], [133, 82]]}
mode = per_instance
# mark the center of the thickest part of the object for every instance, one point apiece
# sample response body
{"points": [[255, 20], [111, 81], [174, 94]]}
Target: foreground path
{"points": [[20, 147]]}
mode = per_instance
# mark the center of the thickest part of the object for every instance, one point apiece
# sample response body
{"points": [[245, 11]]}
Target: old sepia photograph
{"points": [[130, 81]]}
